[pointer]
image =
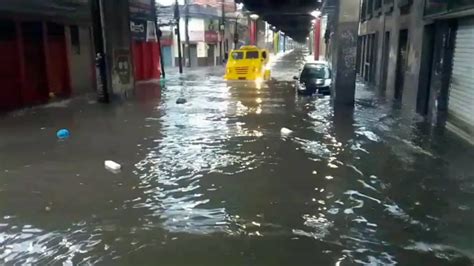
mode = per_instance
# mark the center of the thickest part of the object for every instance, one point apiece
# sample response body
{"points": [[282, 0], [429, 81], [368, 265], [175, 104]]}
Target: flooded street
{"points": [[213, 181]]}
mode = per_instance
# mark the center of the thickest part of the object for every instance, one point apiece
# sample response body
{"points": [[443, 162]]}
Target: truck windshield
{"points": [[237, 55], [252, 55]]}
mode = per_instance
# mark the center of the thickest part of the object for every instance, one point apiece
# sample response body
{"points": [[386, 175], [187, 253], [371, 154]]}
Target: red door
{"points": [[146, 59], [58, 68], [10, 78], [35, 88]]}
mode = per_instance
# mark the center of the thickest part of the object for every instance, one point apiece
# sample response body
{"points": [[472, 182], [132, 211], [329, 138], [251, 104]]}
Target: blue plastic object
{"points": [[63, 134]]}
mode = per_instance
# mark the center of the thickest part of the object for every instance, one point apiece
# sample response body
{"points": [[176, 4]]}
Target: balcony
{"points": [[444, 7]]}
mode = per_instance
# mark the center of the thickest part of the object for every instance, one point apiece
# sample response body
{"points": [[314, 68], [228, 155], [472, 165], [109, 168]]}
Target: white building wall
{"points": [[195, 27], [202, 49]]}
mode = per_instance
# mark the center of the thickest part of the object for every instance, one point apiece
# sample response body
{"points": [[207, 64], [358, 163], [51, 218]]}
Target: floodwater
{"points": [[213, 181]]}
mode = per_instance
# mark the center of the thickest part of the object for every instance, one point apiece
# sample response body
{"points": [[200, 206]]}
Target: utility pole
{"points": [[186, 29], [100, 51], [178, 32], [236, 31], [222, 32]]}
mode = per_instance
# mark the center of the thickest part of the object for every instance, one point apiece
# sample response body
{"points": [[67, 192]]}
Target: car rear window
{"points": [[237, 55], [252, 55], [315, 72]]}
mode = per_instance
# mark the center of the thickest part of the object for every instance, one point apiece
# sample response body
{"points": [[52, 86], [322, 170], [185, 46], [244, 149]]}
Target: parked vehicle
{"points": [[248, 63], [315, 77]]}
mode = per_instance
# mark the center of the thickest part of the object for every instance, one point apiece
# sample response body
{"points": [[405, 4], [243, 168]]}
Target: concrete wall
{"points": [[415, 39], [345, 52], [118, 52], [81, 62], [393, 60], [194, 25], [394, 23]]}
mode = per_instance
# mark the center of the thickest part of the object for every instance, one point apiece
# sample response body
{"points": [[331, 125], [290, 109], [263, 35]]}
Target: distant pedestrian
{"points": [[226, 57]]}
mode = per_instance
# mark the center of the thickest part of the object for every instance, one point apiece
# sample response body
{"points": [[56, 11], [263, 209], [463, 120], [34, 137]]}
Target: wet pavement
{"points": [[213, 181]]}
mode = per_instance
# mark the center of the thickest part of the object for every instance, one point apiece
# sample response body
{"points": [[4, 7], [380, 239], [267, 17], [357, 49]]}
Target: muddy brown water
{"points": [[213, 182]]}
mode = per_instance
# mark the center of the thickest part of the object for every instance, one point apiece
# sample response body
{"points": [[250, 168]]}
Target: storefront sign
{"points": [[166, 42], [211, 36], [196, 36], [151, 31], [166, 38], [138, 29]]}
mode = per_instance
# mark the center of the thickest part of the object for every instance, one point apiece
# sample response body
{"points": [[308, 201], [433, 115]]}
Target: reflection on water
{"points": [[213, 182]]}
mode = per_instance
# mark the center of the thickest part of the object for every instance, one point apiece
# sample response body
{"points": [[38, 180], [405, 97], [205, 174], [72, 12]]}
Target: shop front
{"points": [[146, 54], [40, 54], [453, 82], [211, 38]]}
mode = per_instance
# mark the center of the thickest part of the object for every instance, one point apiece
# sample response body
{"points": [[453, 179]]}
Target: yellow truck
{"points": [[248, 63]]}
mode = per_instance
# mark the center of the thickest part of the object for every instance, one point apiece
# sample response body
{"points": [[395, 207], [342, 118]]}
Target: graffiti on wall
{"points": [[122, 67]]}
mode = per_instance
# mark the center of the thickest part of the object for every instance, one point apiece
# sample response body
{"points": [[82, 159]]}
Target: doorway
{"points": [[36, 85], [373, 57], [402, 58], [10, 74], [423, 97], [211, 55], [193, 62], [58, 65], [167, 58], [385, 58]]}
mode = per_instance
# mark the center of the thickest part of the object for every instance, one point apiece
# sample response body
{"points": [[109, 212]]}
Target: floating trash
{"points": [[285, 131], [112, 166], [181, 101], [63, 134]]}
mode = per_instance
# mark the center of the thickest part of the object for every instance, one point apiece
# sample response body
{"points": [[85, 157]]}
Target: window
{"points": [[75, 41], [363, 15], [264, 55], [315, 72], [237, 55], [378, 4], [370, 8], [252, 55]]}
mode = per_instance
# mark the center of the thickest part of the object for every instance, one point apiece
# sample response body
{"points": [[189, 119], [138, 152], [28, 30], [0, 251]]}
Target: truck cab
{"points": [[248, 63]]}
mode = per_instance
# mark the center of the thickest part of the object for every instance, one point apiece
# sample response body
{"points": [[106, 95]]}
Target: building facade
{"points": [[46, 51], [206, 33], [417, 52], [49, 49], [145, 48]]}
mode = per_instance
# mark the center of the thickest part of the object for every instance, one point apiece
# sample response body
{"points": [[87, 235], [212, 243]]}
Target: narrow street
{"points": [[213, 181]]}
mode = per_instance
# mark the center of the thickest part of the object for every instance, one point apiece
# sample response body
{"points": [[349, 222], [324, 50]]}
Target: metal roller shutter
{"points": [[461, 91]]}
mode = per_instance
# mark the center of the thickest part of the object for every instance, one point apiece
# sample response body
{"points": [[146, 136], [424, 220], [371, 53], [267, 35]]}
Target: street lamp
{"points": [[316, 13], [254, 17]]}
